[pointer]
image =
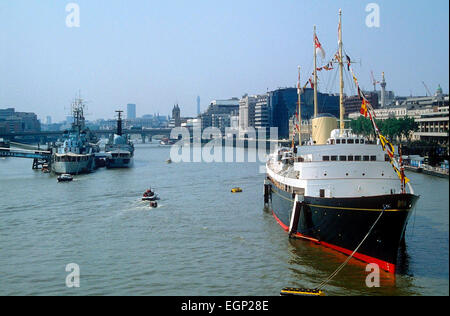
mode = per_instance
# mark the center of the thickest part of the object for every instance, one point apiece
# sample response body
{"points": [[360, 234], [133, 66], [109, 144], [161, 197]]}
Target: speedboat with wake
{"points": [[150, 195]]}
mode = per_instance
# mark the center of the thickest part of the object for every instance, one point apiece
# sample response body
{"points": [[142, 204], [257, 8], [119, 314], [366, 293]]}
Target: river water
{"points": [[201, 240]]}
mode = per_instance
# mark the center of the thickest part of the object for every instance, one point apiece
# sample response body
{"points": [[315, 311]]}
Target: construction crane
{"points": [[374, 82], [428, 90]]}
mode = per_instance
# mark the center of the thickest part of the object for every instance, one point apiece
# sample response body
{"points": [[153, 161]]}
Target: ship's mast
{"points": [[78, 113], [119, 123], [341, 76], [315, 73], [299, 92]]}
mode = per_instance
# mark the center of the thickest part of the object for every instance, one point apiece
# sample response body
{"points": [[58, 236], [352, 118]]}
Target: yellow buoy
{"points": [[290, 291]]}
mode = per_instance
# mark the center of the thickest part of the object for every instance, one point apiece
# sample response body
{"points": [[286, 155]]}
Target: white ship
{"points": [[340, 191]]}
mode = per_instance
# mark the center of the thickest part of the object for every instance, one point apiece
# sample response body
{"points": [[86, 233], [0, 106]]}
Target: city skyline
{"points": [[152, 55]]}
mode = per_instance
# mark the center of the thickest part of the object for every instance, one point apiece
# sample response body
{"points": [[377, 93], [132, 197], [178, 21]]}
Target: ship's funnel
{"points": [[322, 125]]}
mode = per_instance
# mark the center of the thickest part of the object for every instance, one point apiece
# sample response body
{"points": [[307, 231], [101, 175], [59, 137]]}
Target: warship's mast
{"points": [[119, 123]]}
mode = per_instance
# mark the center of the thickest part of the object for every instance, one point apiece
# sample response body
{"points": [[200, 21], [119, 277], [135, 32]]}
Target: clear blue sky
{"points": [[154, 53]]}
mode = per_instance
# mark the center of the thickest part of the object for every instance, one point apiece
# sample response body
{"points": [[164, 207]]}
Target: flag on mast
{"points": [[364, 110], [319, 48]]}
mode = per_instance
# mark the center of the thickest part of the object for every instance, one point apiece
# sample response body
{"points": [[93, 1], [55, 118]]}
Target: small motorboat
{"points": [[153, 204], [149, 192], [65, 178], [169, 160], [149, 195], [236, 190], [150, 198], [166, 142]]}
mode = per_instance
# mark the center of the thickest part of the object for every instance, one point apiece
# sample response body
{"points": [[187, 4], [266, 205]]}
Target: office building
{"points": [[15, 122], [262, 113], [217, 107], [283, 104], [131, 111], [246, 113], [433, 126]]}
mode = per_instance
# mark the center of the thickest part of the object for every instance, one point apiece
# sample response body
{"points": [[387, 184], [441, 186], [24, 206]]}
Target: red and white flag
{"points": [[319, 48]]}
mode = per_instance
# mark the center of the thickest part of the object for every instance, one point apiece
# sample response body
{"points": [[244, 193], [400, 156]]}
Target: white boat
{"points": [[166, 142], [65, 178]]}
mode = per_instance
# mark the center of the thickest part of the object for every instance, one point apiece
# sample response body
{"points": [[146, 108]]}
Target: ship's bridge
{"points": [[119, 140], [345, 147], [346, 137]]}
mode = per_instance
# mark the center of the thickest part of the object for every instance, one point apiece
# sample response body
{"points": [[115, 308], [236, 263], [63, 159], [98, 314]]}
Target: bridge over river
{"points": [[43, 136]]}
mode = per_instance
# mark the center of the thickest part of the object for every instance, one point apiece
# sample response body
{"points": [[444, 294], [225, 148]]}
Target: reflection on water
{"points": [[403, 260], [201, 240]]}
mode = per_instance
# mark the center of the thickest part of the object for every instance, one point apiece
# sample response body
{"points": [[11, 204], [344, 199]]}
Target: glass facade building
{"points": [[131, 111], [283, 106]]}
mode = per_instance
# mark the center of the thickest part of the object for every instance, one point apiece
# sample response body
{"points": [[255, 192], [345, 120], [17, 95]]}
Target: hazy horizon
{"points": [[155, 54]]}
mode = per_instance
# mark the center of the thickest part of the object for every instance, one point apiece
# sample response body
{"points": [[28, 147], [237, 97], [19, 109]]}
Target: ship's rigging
{"points": [[366, 107]]}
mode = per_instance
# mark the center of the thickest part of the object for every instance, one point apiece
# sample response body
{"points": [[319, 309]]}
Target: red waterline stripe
{"points": [[389, 267]]}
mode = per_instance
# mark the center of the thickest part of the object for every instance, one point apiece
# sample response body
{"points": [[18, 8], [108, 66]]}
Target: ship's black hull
{"points": [[342, 223]]}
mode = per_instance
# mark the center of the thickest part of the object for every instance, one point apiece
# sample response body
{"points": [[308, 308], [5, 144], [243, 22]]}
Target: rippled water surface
{"points": [[201, 240]]}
